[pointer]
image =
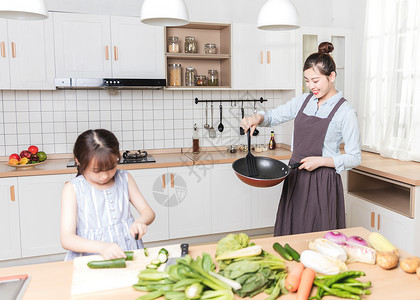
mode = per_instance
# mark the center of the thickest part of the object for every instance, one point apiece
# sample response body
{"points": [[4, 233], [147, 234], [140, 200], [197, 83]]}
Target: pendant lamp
{"points": [[278, 15], [23, 9], [164, 13]]}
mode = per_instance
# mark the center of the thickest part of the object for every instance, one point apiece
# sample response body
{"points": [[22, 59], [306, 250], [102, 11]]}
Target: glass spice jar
{"points": [[173, 44], [213, 78], [210, 48], [174, 75], [190, 45], [190, 75], [201, 80]]}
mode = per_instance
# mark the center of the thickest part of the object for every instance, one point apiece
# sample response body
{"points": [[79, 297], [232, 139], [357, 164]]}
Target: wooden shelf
{"points": [[198, 56], [390, 194]]}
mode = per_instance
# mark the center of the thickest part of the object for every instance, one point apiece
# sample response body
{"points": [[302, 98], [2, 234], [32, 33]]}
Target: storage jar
{"points": [[190, 45], [174, 74], [173, 44], [210, 48], [213, 78], [201, 80], [190, 75]]}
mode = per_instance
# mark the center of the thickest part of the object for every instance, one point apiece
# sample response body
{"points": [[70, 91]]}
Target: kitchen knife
{"points": [[172, 260]]}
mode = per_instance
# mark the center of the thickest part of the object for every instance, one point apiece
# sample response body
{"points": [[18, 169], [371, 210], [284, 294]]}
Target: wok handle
{"points": [[295, 165], [249, 140]]}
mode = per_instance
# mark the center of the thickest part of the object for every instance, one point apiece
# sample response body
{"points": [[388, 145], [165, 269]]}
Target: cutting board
{"points": [[86, 280]]}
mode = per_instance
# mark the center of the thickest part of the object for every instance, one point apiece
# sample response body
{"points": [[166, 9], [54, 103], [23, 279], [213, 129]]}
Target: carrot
{"points": [[293, 278], [306, 283]]}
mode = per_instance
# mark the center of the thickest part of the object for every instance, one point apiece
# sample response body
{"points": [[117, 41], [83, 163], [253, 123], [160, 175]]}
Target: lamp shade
{"points": [[164, 13], [278, 15], [23, 9]]}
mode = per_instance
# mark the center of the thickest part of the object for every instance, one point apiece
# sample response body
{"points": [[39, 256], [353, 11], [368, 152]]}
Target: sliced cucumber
{"points": [[146, 252], [163, 250], [151, 266], [156, 262], [162, 257]]}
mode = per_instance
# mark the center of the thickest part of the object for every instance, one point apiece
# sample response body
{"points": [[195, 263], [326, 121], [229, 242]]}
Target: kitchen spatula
{"points": [[172, 260]]}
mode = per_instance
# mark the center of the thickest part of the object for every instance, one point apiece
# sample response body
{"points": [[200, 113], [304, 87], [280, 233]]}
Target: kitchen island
{"points": [[54, 280]]}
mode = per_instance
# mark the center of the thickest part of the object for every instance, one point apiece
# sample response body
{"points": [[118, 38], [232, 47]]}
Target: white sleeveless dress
{"points": [[104, 215]]}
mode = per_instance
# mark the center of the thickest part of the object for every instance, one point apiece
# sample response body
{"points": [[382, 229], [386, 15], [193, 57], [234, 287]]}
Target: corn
{"points": [[381, 244]]}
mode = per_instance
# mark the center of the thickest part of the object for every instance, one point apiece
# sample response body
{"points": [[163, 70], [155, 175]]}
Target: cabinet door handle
{"points": [[379, 222], [172, 180], [268, 57], [115, 53], [372, 219], [12, 193], [262, 57], [13, 50], [3, 49], [107, 52], [163, 181]]}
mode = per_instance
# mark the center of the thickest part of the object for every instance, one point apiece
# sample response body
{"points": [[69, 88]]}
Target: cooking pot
{"points": [[270, 171]]}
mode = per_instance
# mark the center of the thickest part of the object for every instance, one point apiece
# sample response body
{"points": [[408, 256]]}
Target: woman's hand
{"points": [[138, 227], [251, 122], [112, 251], [311, 163]]}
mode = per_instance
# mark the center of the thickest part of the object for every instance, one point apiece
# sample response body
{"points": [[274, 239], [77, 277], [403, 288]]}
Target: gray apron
{"points": [[310, 201]]}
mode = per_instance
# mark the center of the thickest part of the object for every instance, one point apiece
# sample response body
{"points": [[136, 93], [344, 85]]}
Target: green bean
{"points": [[351, 289], [354, 274], [355, 282], [337, 292]]}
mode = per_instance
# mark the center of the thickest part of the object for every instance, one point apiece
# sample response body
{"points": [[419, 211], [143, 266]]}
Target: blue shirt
{"points": [[344, 127]]}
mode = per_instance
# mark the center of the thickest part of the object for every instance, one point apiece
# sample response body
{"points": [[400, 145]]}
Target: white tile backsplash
{"points": [[141, 119]]}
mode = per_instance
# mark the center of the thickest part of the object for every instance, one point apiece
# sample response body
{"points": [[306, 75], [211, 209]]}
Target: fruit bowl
{"points": [[27, 166]]}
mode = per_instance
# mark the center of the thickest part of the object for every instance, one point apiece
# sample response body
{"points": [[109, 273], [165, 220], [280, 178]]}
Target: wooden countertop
{"points": [[54, 280], [403, 171]]}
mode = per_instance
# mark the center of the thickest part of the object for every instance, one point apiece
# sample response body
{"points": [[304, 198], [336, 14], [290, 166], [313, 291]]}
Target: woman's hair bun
{"points": [[325, 47]]}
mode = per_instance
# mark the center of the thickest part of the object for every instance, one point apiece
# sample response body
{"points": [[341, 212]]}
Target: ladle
{"points": [[256, 131], [206, 126], [220, 127]]}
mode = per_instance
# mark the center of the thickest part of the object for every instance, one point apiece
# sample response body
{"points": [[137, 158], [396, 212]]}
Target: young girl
{"points": [[95, 209]]}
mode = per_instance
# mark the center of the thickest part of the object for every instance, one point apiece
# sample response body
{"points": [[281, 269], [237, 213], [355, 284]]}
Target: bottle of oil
{"points": [[272, 142], [196, 141]]}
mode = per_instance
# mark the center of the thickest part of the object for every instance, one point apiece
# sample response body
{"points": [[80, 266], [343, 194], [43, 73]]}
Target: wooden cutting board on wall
{"points": [[86, 280]]}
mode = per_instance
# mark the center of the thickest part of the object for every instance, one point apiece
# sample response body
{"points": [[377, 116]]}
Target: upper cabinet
{"points": [[94, 46], [263, 59], [26, 55], [218, 56]]}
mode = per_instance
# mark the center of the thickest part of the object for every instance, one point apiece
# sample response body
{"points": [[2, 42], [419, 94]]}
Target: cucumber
{"points": [[280, 250], [105, 264], [146, 252], [163, 250], [293, 253], [156, 262], [130, 255], [162, 257], [152, 266]]}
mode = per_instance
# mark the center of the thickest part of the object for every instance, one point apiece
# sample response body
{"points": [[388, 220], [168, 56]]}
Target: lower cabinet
{"points": [[39, 210], [10, 247]]}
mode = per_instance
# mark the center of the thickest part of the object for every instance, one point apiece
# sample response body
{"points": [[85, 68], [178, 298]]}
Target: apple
{"points": [[33, 149], [26, 154], [14, 156]]}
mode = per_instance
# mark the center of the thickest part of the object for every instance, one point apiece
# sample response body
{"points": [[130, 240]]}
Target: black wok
{"points": [[270, 171]]}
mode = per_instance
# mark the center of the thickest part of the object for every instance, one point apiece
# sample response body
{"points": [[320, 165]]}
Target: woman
{"points": [[313, 197]]}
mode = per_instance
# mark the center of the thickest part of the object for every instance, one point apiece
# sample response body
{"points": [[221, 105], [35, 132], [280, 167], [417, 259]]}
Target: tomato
{"points": [[33, 149], [14, 156]]}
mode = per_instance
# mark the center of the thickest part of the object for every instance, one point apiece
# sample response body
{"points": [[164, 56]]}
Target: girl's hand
{"points": [[112, 251], [311, 163], [139, 228], [251, 122]]}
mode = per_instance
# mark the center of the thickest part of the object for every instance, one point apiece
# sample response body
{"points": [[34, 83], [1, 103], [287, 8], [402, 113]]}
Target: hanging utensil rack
{"points": [[231, 101]]}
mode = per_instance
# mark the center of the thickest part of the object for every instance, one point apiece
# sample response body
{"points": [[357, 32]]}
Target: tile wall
{"points": [[141, 119]]}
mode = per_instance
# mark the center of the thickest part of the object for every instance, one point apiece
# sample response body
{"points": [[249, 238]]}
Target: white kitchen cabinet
{"points": [[9, 220], [231, 201], [137, 49], [27, 55], [190, 209], [97, 46], [40, 213], [152, 184], [263, 59]]}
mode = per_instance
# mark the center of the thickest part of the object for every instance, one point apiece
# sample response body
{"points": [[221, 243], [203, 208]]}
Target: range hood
{"points": [[109, 83]]}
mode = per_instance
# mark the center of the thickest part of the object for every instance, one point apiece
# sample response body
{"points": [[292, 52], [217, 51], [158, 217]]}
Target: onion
{"points": [[356, 240], [336, 237]]}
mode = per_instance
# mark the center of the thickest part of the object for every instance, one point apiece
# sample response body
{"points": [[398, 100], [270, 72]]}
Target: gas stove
{"points": [[128, 157]]}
